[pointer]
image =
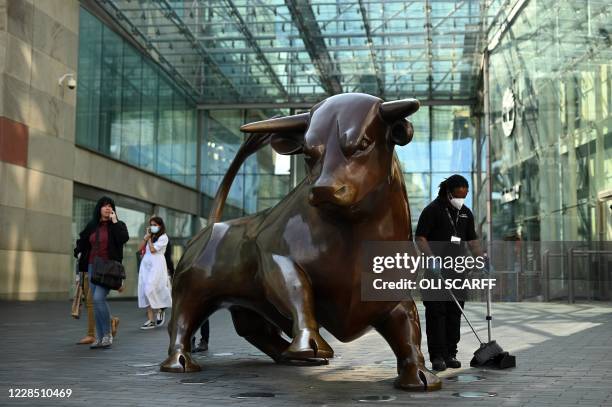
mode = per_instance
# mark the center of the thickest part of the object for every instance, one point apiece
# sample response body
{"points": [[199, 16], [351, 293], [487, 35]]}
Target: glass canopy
{"points": [[224, 52]]}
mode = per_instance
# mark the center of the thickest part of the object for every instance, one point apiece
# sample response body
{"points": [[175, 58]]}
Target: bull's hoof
{"points": [[308, 344], [417, 379], [179, 362]]}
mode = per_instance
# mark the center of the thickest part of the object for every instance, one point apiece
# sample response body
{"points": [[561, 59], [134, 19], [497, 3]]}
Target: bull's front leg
{"points": [[192, 304], [402, 330], [289, 290]]}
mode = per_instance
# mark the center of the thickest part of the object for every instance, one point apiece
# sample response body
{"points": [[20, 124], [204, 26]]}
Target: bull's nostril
{"points": [[328, 194]]}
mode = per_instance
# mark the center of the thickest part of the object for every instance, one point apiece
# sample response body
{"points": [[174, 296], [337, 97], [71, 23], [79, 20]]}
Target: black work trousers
{"points": [[443, 324]]}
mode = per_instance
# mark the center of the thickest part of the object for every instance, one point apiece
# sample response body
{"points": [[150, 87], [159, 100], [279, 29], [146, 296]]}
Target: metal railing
{"points": [[568, 259]]}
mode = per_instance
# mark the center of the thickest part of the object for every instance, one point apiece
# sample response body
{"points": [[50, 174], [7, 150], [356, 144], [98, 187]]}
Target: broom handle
{"points": [[489, 317], [463, 313]]}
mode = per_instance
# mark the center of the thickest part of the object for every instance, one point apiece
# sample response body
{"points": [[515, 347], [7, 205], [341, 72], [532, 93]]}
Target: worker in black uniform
{"points": [[444, 228]]}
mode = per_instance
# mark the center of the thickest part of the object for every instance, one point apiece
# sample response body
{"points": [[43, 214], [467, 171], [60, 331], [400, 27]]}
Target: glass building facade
{"points": [[554, 65], [248, 51], [262, 180], [128, 109], [550, 98], [443, 145]]}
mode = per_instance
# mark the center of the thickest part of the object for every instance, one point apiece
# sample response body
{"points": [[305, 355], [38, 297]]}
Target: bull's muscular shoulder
{"points": [[248, 226]]}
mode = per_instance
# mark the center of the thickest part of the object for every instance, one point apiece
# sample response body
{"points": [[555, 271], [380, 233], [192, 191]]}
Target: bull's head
{"points": [[347, 141]]}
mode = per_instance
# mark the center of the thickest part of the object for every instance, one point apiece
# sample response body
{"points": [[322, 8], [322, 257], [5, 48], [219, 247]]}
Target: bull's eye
{"points": [[363, 145]]}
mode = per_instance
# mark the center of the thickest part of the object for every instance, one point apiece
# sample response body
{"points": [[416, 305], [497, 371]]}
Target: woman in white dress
{"points": [[154, 290]]}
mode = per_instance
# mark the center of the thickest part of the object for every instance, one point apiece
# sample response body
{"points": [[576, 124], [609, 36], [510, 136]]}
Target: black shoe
{"points": [[438, 364], [202, 346], [452, 362]]}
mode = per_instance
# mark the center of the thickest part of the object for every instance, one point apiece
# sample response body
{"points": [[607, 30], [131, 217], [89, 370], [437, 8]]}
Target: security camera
{"points": [[71, 82]]}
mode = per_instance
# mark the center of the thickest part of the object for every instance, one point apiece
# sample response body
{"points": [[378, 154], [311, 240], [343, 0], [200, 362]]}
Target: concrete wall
{"points": [[38, 44], [39, 161], [110, 175]]}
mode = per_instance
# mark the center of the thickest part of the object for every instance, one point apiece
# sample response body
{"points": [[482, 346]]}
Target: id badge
{"points": [[455, 240]]}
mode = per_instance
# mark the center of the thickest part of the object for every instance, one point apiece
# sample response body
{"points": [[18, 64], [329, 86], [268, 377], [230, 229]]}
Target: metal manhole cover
{"points": [[474, 394], [252, 395], [465, 378], [375, 399]]}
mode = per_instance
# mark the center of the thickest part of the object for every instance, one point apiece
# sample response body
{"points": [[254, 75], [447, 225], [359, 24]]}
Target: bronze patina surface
{"points": [[296, 266]]}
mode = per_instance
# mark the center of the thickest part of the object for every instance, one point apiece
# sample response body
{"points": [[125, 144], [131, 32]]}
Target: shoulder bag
{"points": [[106, 272]]}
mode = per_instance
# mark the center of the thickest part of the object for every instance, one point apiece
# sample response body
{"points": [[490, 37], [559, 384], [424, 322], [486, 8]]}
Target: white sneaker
{"points": [[103, 343], [107, 341], [148, 325]]}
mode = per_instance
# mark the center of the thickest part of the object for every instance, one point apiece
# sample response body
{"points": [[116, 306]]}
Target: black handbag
{"points": [[107, 273]]}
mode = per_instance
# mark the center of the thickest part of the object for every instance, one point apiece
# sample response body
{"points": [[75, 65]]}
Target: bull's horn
{"points": [[398, 109], [288, 124]]}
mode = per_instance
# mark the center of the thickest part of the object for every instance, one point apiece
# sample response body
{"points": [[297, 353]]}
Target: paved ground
{"points": [[564, 356]]}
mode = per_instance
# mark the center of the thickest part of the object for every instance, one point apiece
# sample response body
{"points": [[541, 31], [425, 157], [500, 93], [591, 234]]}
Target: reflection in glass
{"points": [[129, 110], [555, 59]]}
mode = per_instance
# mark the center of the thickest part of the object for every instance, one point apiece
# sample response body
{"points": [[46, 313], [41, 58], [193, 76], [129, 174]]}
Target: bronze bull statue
{"points": [[297, 265]]}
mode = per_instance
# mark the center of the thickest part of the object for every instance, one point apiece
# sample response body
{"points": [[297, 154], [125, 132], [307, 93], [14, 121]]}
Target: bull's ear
{"points": [[287, 143], [401, 132], [297, 123], [398, 109]]}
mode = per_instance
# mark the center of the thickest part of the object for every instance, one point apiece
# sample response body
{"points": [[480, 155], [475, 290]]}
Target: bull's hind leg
{"points": [[189, 310], [402, 330], [259, 332], [289, 290]]}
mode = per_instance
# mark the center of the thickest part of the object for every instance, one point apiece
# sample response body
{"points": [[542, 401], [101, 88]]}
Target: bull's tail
{"points": [[252, 144]]}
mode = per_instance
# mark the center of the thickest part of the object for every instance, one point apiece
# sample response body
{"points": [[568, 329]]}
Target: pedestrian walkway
{"points": [[564, 357]]}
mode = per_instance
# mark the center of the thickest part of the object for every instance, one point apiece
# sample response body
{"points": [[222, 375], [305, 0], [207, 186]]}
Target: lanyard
{"points": [[453, 224]]}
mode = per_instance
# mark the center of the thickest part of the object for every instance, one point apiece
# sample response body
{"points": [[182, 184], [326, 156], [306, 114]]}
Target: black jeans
{"points": [[443, 323]]}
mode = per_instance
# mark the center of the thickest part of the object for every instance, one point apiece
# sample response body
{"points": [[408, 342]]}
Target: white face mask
{"points": [[456, 202], [154, 229]]}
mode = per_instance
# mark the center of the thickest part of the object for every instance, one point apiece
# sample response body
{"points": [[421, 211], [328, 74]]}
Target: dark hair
{"points": [[162, 227], [451, 183], [95, 218]]}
